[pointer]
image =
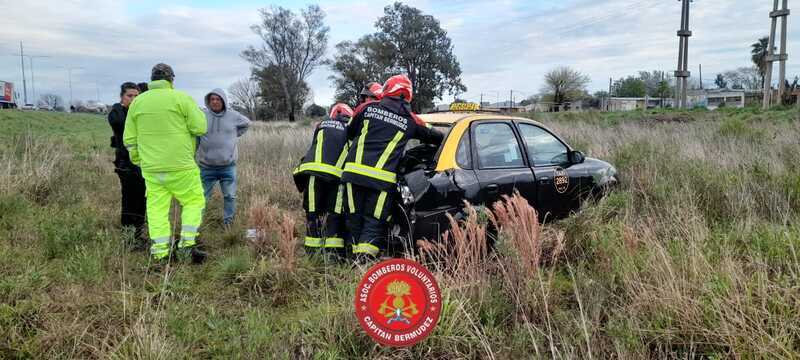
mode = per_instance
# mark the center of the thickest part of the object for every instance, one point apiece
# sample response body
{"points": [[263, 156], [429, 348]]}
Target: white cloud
{"points": [[501, 45]]}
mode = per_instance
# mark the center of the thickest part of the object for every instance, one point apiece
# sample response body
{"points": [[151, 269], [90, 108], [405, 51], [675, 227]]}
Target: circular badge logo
{"points": [[561, 180], [398, 302]]}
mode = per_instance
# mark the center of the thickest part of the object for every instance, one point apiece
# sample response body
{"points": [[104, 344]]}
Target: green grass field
{"points": [[695, 255]]}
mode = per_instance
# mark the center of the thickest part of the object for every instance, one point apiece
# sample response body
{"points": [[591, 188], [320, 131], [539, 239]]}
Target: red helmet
{"points": [[398, 85], [372, 89], [341, 109]]}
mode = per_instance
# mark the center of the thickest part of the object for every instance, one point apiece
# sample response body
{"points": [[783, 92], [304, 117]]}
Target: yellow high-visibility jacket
{"points": [[162, 127]]}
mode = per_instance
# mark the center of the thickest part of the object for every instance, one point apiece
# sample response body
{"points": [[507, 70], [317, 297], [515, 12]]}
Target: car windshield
{"points": [[443, 128]]}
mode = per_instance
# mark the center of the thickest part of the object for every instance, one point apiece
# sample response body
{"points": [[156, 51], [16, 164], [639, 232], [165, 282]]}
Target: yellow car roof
{"points": [[451, 118]]}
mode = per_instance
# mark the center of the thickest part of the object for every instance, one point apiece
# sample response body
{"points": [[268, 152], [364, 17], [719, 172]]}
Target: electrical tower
{"points": [[783, 14], [682, 74]]}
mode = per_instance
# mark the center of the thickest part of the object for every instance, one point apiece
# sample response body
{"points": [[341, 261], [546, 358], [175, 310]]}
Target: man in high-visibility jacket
{"points": [[318, 177], [379, 131], [160, 134]]}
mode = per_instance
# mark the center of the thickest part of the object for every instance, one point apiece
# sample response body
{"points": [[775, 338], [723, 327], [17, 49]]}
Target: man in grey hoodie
{"points": [[217, 150]]}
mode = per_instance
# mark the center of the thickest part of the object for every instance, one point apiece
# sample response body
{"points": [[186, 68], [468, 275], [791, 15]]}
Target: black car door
{"points": [[499, 161], [558, 184]]}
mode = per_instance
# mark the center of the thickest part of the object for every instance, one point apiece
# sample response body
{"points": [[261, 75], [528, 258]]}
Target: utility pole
{"points": [[510, 100], [22, 64], [682, 74], [701, 76], [69, 71], [33, 80], [776, 13], [481, 103]]}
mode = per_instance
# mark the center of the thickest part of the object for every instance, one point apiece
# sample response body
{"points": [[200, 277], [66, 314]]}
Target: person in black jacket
{"points": [[379, 132], [130, 176], [317, 176]]}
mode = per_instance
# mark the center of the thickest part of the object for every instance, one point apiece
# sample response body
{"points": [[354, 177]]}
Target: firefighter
{"points": [[160, 134], [371, 92], [130, 176], [318, 177], [379, 132]]}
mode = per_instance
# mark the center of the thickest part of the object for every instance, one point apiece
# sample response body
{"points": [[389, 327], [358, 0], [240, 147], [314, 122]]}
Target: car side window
{"points": [[464, 152], [544, 149], [497, 146]]}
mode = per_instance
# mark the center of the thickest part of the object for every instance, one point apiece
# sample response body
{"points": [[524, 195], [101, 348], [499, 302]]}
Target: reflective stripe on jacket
{"points": [[325, 157], [379, 133]]}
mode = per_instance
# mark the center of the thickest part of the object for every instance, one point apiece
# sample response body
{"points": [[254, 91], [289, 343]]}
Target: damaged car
{"points": [[483, 157]]}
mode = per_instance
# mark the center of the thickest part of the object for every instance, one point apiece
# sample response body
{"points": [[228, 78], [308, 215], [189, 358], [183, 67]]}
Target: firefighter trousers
{"points": [[185, 186], [323, 202], [368, 218]]}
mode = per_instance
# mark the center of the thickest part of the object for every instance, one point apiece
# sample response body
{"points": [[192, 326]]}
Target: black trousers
{"points": [[323, 202], [369, 212], [134, 205]]}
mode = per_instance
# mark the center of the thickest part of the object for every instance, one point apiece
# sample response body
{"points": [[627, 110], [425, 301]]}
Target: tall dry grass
{"points": [[695, 255]]}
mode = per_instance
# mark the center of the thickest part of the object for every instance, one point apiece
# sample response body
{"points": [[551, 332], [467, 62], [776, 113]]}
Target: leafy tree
{"points": [[292, 47], [358, 63], [652, 81], [564, 84], [788, 98], [274, 97], [630, 87], [720, 82], [315, 110], [409, 42], [759, 52]]}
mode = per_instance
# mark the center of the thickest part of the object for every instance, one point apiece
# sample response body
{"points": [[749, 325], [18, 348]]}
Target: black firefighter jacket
{"points": [[379, 132], [325, 157]]}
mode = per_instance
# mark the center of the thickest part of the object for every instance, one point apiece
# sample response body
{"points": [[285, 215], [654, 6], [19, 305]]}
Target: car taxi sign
{"points": [[460, 106], [398, 302]]}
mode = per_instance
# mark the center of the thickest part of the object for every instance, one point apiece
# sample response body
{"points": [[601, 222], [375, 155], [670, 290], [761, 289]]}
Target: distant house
{"points": [[634, 103], [714, 98]]}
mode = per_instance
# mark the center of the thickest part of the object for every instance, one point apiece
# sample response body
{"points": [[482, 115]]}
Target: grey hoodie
{"points": [[219, 146]]}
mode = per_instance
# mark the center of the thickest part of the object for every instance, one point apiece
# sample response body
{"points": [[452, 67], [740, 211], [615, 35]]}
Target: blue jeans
{"points": [[226, 176]]}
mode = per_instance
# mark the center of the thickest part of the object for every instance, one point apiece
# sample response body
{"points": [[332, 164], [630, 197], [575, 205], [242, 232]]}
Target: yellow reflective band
{"points": [[350, 203], [313, 242], [343, 156], [334, 242], [339, 200], [319, 167], [389, 149], [365, 248], [360, 147], [187, 242], [312, 206], [318, 153], [379, 205], [371, 172]]}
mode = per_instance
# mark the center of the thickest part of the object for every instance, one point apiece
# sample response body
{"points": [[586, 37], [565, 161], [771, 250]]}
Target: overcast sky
{"points": [[501, 45]]}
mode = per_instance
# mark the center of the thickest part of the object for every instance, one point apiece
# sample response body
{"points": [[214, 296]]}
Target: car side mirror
{"points": [[576, 157]]}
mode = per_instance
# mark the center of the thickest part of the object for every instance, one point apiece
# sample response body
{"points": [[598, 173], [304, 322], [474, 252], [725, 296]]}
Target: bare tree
{"points": [[292, 44], [564, 84], [744, 78], [52, 101], [245, 92]]}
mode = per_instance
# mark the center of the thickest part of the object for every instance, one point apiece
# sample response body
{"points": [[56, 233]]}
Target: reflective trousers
{"points": [[323, 202], [185, 186], [369, 212]]}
